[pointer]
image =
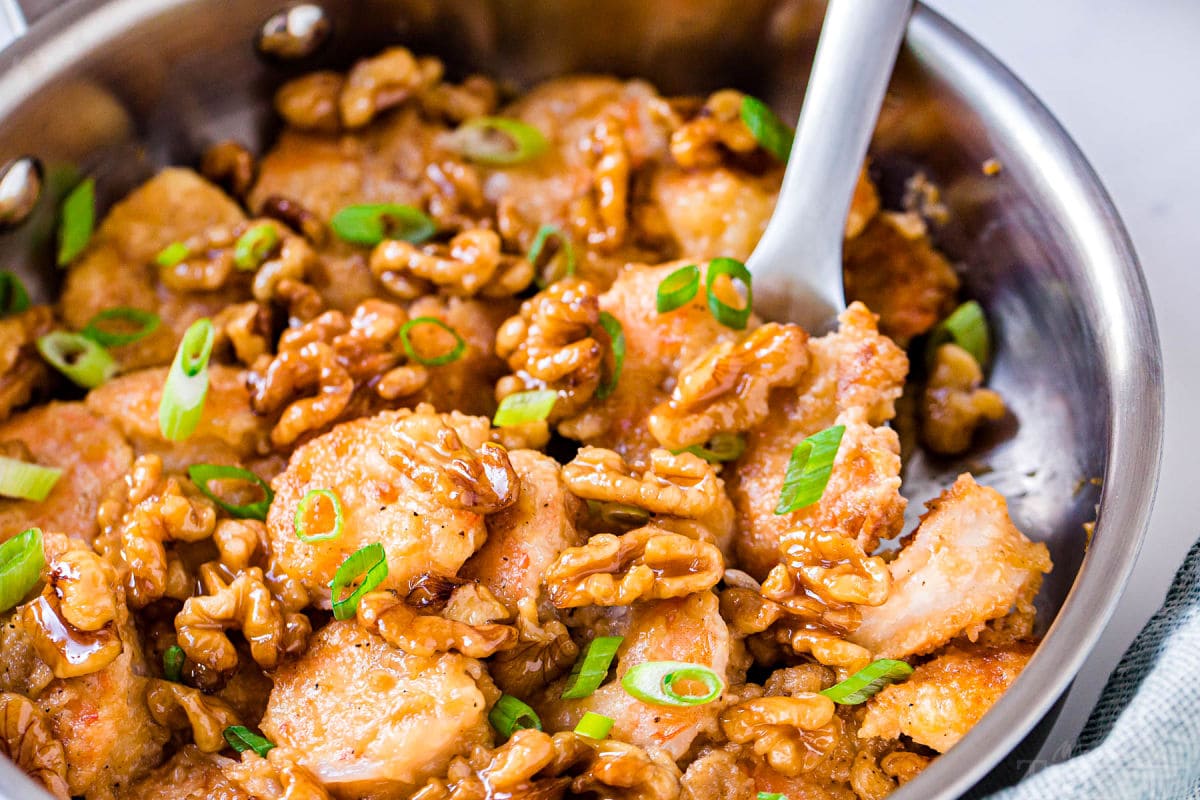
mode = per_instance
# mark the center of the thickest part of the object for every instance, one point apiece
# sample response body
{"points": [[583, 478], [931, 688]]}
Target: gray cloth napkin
{"points": [[1142, 741]]}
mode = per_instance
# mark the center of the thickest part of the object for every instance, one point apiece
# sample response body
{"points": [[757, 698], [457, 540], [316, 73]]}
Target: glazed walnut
{"points": [[230, 165], [602, 215], [648, 563], [716, 774], [828, 648], [73, 622], [384, 81], [470, 264], [310, 102], [456, 198], [477, 96], [716, 130], [726, 389], [21, 368], [279, 775], [833, 567], [793, 734], [953, 405], [556, 342], [511, 770], [176, 706], [615, 770], [243, 543], [543, 653], [207, 264], [27, 739], [244, 603], [401, 625]]}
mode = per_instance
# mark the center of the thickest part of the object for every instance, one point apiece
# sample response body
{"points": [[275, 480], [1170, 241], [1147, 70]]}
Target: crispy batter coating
{"points": [[715, 212], [953, 405], [188, 775], [278, 775], [22, 370], [966, 564]]}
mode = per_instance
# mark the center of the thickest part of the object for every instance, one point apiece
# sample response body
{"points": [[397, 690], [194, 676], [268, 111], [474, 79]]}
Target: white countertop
{"points": [[1122, 77]]}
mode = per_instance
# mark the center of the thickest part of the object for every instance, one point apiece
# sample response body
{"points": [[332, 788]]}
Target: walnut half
{"points": [[401, 625], [26, 738]]}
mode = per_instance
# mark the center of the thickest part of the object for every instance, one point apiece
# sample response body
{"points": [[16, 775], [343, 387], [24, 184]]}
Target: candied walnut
{"points": [[289, 262], [543, 653], [244, 329], [953, 405], [716, 130], [243, 543], [208, 264], [177, 706], [244, 603], [726, 389], [230, 165], [310, 102], [21, 368], [556, 342], [798, 680], [602, 215], [471, 263], [825, 646], [474, 604], [615, 770], [147, 511], [433, 455], [381, 82], [456, 199], [648, 563], [278, 775], [73, 622], [716, 774], [26, 738], [794, 734], [867, 778], [831, 566], [419, 634], [511, 770], [903, 766], [477, 96], [293, 214], [748, 612]]}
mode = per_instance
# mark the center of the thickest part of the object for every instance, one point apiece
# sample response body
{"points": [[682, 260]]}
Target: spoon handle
{"points": [[853, 64]]}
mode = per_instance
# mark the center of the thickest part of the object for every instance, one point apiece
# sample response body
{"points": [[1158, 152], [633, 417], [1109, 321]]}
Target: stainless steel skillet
{"points": [[117, 89]]}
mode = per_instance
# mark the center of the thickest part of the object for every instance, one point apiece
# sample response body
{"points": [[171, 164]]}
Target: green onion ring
{"points": [[730, 317], [183, 395], [771, 133], [720, 448], [862, 685], [172, 254], [24, 481], [561, 262], [86, 363], [241, 738], [204, 474], [678, 288], [510, 715], [370, 561], [173, 663], [616, 335], [254, 246], [808, 470], [967, 327], [13, 297], [371, 223], [772, 796], [591, 668], [147, 322], [77, 218], [460, 344], [653, 682], [520, 408], [311, 503], [498, 141], [594, 726], [21, 561]]}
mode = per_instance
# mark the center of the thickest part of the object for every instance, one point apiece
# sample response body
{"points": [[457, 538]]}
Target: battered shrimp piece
{"points": [[373, 721], [381, 501], [228, 432], [715, 212], [525, 539], [90, 452], [686, 629], [118, 267], [944, 698], [966, 564], [188, 775], [854, 378], [657, 346]]}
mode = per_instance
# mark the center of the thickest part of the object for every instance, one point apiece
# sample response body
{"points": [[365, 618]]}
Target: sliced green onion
{"points": [[594, 726], [967, 327], [771, 133], [13, 297], [370, 561], [558, 261], [678, 288], [25, 481], [591, 668], [522, 407], [21, 561], [808, 470], [655, 682], [78, 216], [204, 474], [173, 663], [862, 685], [455, 353], [721, 448], [86, 363], [147, 322], [498, 141], [183, 394], [616, 335], [241, 738], [772, 796], [172, 254], [254, 246], [510, 715], [314, 525], [370, 224], [619, 515], [729, 316]]}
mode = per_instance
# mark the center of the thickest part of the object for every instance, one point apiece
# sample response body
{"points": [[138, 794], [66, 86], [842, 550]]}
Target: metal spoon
{"points": [[797, 265]]}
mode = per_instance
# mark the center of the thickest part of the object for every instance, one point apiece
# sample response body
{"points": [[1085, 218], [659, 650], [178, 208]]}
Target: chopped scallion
{"points": [[808, 470], [85, 362], [146, 321], [241, 738], [173, 663], [25, 481], [370, 224], [204, 474], [319, 516], [594, 726], [591, 668], [616, 335], [522, 407], [453, 354], [21, 561], [725, 314], [369, 561], [721, 448], [967, 327], [183, 394], [172, 254], [254, 246], [863, 685], [678, 288], [772, 796], [552, 256], [771, 133], [498, 141], [672, 683], [510, 715], [13, 297], [78, 217]]}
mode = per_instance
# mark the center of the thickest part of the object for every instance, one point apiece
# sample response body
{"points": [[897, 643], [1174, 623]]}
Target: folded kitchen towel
{"points": [[1142, 741]]}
